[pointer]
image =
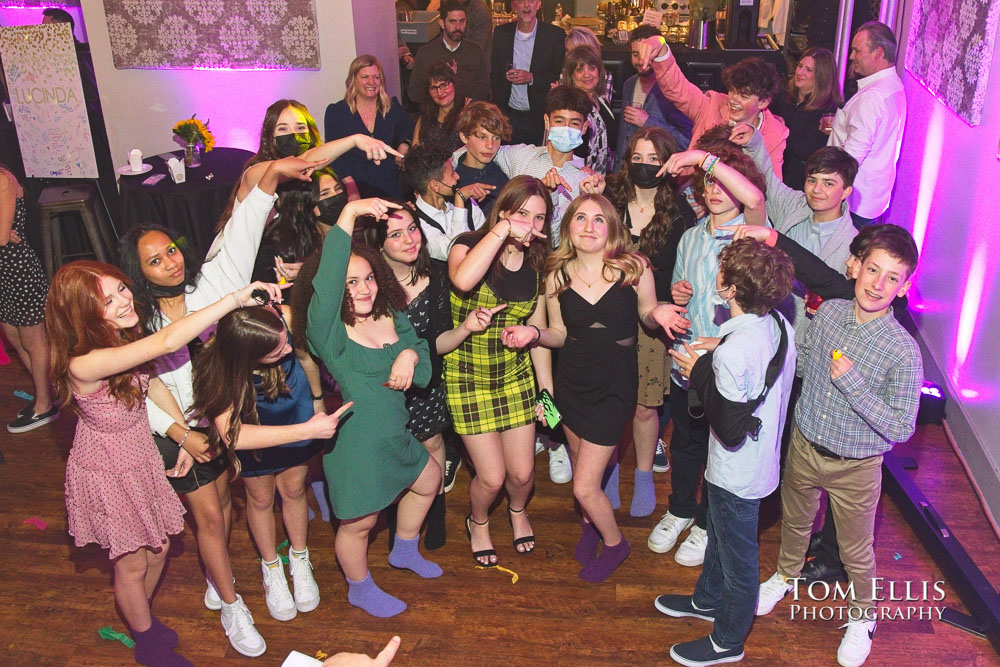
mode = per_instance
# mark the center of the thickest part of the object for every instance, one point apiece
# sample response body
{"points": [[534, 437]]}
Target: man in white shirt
{"points": [[870, 126], [443, 209]]}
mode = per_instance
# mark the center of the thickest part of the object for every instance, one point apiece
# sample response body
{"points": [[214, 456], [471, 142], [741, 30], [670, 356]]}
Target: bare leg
{"points": [[351, 546], [260, 514], [590, 461], [226, 502], [294, 508], [130, 591], [519, 462], [435, 447], [155, 561], [417, 500], [645, 425], [486, 452], [212, 537]]}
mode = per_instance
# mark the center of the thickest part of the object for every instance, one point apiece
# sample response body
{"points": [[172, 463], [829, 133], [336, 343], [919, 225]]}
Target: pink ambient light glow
{"points": [[970, 305]]}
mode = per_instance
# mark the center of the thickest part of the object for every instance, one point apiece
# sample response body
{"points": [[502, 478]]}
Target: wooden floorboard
{"points": [[54, 597]]}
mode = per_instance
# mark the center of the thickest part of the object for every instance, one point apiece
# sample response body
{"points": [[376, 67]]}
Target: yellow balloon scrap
{"points": [[321, 656], [837, 354], [512, 573]]}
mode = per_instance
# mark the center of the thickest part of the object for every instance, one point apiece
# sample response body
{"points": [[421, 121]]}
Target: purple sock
{"points": [[586, 548], [319, 493], [150, 650], [603, 565], [367, 595], [166, 636], [611, 486], [644, 494], [405, 555]]}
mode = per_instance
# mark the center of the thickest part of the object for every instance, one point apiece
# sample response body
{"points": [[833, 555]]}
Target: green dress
{"points": [[374, 457]]}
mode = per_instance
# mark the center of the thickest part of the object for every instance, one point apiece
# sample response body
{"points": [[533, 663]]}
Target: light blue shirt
{"points": [[524, 46], [750, 470], [698, 262], [813, 235]]}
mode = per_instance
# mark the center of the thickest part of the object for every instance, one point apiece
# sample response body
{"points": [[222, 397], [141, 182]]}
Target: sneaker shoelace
{"points": [[278, 585], [560, 456], [773, 586], [668, 523], [857, 633], [242, 619], [660, 449]]}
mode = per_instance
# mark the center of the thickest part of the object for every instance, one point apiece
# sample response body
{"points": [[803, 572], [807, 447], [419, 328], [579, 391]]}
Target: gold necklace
{"points": [[576, 270]]}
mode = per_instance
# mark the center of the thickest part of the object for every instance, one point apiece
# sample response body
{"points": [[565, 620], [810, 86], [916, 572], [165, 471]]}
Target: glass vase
{"points": [[192, 155]]}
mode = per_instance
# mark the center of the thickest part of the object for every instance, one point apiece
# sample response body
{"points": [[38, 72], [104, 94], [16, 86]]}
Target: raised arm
{"points": [[86, 371], [783, 202], [687, 97], [736, 183]]}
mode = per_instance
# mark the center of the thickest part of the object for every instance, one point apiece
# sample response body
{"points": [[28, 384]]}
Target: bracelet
{"points": [[772, 238], [236, 298], [186, 434], [318, 398], [538, 333], [502, 238], [462, 195], [711, 168]]}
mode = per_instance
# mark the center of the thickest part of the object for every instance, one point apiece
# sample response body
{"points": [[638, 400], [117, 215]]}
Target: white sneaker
{"points": [[238, 624], [665, 534], [539, 445], [279, 600], [560, 468], [771, 593], [691, 552], [212, 599], [856, 644], [303, 582]]}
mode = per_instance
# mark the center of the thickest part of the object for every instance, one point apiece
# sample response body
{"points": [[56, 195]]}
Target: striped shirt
{"points": [[525, 159], [874, 405], [698, 262]]}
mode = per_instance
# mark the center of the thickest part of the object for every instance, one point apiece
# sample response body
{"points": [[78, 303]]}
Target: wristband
{"points": [[186, 434], [318, 398], [772, 238], [538, 333]]}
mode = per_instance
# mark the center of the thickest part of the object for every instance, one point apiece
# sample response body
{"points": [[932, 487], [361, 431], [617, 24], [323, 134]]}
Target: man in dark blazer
{"points": [[527, 57]]}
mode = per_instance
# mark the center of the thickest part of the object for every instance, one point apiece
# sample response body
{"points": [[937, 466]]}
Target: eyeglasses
{"points": [[440, 87]]}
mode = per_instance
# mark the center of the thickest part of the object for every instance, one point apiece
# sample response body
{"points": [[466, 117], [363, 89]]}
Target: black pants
{"points": [[689, 454], [527, 127]]}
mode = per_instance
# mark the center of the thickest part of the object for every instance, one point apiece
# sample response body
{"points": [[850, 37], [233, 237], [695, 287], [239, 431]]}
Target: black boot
{"points": [[434, 538]]}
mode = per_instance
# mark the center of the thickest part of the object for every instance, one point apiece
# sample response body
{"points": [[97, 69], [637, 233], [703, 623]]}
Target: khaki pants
{"points": [[853, 488]]}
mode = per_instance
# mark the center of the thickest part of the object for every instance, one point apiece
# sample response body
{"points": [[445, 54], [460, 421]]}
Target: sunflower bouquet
{"points": [[193, 131]]}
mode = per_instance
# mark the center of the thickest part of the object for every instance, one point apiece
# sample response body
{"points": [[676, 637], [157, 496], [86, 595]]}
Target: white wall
{"points": [[948, 193], [141, 106]]}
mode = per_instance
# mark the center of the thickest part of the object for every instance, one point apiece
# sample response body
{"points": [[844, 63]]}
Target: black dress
{"points": [[804, 137], [430, 315], [23, 286], [597, 376]]}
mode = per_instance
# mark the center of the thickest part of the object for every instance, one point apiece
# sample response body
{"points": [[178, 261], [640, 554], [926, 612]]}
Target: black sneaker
{"points": [[680, 606], [702, 652], [821, 569], [815, 546], [451, 467], [27, 420]]}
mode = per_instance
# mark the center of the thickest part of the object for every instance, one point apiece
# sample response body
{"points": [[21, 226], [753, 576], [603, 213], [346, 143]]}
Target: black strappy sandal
{"points": [[485, 553], [520, 540]]}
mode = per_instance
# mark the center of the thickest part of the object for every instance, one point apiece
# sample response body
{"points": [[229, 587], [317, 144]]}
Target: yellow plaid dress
{"points": [[488, 386]]}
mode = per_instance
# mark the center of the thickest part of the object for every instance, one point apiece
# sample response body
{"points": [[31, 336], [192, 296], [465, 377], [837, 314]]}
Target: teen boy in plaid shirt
{"points": [[862, 374]]}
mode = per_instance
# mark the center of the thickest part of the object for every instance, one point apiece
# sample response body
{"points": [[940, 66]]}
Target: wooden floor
{"points": [[55, 596]]}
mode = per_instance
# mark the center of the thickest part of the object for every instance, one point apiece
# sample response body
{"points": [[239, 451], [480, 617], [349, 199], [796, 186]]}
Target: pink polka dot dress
{"points": [[117, 493]]}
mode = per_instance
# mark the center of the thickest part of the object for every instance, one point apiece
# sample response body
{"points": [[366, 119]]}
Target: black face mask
{"points": [[644, 175], [166, 291], [331, 208], [293, 145]]}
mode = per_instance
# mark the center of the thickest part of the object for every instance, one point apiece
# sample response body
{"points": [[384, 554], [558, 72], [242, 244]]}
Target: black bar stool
{"points": [[53, 203]]}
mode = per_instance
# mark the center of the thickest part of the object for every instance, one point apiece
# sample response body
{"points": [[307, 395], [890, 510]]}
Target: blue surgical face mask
{"points": [[717, 299], [564, 138]]}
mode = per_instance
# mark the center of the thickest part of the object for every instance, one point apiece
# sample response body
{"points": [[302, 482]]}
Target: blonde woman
{"points": [[368, 109], [596, 293]]}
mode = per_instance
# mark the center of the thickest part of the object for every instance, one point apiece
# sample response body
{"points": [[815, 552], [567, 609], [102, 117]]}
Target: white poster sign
{"points": [[46, 96]]}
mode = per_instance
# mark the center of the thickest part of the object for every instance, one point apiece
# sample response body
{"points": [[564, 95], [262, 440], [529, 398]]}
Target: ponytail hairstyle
{"points": [[223, 376]]}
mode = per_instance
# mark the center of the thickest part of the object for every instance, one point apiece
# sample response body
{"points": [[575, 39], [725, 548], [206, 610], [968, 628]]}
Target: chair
{"points": [[55, 201]]}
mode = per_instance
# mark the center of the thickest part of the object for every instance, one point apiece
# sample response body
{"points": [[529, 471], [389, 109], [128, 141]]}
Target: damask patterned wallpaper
{"points": [[950, 48], [223, 34]]}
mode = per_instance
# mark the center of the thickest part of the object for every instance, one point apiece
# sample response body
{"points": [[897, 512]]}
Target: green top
{"points": [[374, 457]]}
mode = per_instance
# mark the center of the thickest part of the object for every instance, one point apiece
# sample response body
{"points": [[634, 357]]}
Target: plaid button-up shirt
{"points": [[874, 405]]}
